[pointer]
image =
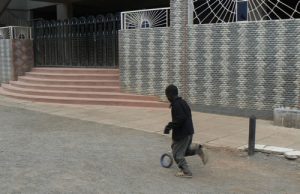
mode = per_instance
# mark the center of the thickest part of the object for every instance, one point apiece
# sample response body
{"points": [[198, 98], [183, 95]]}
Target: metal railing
{"points": [[15, 32], [148, 18], [77, 42]]}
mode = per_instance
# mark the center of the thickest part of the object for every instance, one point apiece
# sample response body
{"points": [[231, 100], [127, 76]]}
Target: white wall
{"points": [[18, 4], [28, 4], [21, 8], [38, 4]]}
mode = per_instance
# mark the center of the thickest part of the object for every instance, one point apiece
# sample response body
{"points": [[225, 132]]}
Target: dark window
{"points": [[21, 36], [242, 11], [46, 13], [145, 24]]}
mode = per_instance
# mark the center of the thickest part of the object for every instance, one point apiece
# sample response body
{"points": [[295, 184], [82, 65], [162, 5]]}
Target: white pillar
{"points": [[64, 11], [191, 12]]}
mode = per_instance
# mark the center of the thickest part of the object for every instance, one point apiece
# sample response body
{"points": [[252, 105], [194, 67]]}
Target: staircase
{"points": [[86, 86]]}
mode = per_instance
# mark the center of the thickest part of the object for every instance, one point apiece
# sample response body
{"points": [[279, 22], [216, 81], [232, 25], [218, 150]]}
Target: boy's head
{"points": [[171, 92]]}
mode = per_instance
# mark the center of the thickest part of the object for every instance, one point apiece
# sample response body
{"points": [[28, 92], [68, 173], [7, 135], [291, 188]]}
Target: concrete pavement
{"points": [[211, 129], [44, 153]]}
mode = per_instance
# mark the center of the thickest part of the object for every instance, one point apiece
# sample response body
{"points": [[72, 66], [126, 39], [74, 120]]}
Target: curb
{"points": [[288, 153]]}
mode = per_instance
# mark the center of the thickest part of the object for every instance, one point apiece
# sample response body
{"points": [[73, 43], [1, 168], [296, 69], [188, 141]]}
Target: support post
{"points": [[64, 11], [190, 12], [252, 130]]}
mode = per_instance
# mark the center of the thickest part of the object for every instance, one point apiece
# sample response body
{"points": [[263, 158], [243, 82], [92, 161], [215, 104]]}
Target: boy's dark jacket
{"points": [[182, 123]]}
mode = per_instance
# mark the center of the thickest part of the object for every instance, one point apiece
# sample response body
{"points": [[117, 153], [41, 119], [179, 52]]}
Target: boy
{"points": [[182, 132]]}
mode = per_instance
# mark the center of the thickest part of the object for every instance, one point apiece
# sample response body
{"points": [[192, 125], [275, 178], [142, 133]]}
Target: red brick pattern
{"points": [[23, 59]]}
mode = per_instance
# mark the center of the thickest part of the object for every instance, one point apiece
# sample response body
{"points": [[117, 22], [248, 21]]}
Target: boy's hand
{"points": [[168, 128]]}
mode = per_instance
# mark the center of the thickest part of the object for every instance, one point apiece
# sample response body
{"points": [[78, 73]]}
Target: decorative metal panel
{"points": [[223, 11], [15, 32], [149, 18]]}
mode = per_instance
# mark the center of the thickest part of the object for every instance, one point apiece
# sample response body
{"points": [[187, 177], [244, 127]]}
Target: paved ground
{"points": [[211, 129], [42, 153]]}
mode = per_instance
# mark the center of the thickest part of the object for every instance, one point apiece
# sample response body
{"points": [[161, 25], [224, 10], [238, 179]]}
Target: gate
{"points": [[78, 42]]}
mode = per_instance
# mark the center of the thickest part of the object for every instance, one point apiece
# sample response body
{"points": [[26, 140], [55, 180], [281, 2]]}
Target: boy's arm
{"points": [[179, 116]]}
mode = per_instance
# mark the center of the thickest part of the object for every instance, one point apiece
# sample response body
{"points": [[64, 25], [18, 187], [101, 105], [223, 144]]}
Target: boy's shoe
{"points": [[184, 174], [203, 155]]}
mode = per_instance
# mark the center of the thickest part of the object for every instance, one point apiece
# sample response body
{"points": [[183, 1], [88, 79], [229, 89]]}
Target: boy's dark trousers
{"points": [[182, 148]]}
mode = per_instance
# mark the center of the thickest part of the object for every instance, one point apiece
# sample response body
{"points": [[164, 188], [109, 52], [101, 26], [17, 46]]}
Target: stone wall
{"points": [[23, 59], [5, 61], [178, 62], [244, 68], [239, 68], [143, 54], [16, 58]]}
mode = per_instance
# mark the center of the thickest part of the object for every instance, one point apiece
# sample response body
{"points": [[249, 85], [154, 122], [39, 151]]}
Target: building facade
{"points": [[234, 57], [223, 65]]}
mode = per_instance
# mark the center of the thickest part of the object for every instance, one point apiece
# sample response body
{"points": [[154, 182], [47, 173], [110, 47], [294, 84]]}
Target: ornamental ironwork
{"points": [[223, 11], [15, 32], [77, 42], [149, 18]]}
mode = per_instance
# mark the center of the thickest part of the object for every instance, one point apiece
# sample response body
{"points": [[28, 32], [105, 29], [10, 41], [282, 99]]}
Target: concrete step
{"points": [[73, 88], [76, 94], [72, 76], [76, 86], [76, 70], [69, 82], [85, 101]]}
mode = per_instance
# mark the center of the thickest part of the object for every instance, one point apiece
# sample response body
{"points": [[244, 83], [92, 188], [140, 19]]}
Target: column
{"points": [[64, 11], [178, 45]]}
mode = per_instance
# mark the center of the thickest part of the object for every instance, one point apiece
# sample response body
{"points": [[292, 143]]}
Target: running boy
{"points": [[182, 132]]}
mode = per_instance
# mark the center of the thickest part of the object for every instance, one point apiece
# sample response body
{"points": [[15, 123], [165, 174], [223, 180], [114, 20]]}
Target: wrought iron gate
{"points": [[78, 42]]}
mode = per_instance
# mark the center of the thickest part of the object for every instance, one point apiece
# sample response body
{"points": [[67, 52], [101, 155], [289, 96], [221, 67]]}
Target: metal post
{"points": [[124, 22], [167, 18], [252, 129], [11, 33], [30, 34], [122, 27], [236, 11]]}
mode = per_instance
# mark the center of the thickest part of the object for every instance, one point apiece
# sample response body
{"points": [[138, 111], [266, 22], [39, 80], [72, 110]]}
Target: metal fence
{"points": [[15, 32], [149, 18], [78, 42]]}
